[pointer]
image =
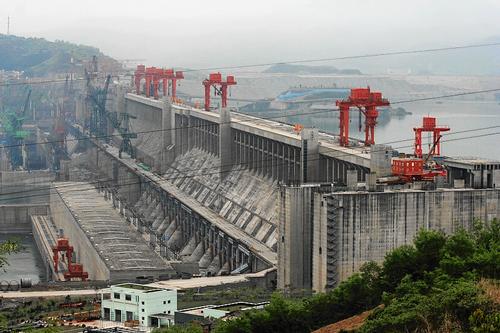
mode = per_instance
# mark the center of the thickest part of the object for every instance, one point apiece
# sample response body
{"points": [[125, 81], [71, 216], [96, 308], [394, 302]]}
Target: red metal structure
{"points": [[429, 125], [170, 79], [74, 270], [418, 168], [139, 74], [367, 103], [215, 80], [153, 77]]}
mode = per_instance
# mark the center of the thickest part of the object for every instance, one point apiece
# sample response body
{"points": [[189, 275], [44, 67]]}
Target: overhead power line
{"points": [[349, 57], [254, 120], [203, 172], [313, 60]]}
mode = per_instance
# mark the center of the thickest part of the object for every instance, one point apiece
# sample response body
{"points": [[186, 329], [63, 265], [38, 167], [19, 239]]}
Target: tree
{"points": [[6, 248]]}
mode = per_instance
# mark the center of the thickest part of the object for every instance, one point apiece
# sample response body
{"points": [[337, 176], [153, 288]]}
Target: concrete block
{"points": [[352, 179], [380, 160]]}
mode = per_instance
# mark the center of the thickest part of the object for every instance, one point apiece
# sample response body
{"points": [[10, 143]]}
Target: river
{"points": [[25, 264]]}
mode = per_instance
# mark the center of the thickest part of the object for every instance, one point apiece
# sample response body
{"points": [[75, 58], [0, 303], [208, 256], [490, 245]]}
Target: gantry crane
{"points": [[367, 102], [74, 270], [417, 168], [429, 125], [215, 80], [153, 77]]}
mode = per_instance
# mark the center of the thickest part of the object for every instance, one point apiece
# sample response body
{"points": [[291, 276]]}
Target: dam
{"points": [[218, 192]]}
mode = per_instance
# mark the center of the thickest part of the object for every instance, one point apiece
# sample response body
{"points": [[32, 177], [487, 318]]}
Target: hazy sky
{"points": [[196, 33]]}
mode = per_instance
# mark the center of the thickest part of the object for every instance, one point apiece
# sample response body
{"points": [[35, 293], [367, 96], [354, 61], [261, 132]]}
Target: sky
{"points": [[200, 33]]}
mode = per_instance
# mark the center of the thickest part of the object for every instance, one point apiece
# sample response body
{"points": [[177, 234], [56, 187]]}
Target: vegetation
{"points": [[439, 284], [39, 57], [191, 298], [6, 248]]}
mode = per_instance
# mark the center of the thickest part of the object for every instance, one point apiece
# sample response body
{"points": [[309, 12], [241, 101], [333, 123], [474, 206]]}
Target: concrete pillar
{"points": [[371, 181], [80, 109], [381, 160], [295, 229], [167, 135], [309, 156], [225, 143], [352, 179], [496, 178], [476, 174]]}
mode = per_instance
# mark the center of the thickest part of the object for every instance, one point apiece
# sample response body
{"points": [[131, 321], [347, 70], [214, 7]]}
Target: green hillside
{"points": [[39, 57]]}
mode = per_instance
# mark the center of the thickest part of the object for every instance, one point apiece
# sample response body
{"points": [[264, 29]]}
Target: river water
{"points": [[398, 131], [25, 264], [459, 116]]}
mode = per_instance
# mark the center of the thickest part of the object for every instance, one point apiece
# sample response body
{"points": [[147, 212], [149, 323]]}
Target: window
{"points": [[128, 297], [142, 318], [142, 310], [168, 311], [142, 302], [164, 302], [116, 295], [168, 301]]}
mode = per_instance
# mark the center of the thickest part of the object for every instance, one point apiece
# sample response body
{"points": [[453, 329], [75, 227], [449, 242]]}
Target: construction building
{"points": [[139, 304]]}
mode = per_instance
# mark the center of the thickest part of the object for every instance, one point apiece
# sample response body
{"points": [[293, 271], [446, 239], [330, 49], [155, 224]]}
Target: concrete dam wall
{"points": [[343, 230], [16, 218], [368, 225]]}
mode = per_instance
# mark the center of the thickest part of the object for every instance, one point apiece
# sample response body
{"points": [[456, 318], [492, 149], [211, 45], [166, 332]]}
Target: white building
{"points": [[147, 306]]}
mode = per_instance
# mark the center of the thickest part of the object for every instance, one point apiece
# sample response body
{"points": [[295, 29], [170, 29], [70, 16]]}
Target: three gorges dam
{"points": [[152, 187]]}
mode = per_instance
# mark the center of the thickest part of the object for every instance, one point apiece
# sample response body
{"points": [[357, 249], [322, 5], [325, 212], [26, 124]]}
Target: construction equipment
{"points": [[74, 270], [126, 135], [367, 103], [417, 168], [429, 125], [153, 77], [96, 96], [215, 80], [12, 123], [139, 74]]}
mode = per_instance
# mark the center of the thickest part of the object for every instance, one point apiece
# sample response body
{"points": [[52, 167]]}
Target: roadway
{"points": [[178, 284]]}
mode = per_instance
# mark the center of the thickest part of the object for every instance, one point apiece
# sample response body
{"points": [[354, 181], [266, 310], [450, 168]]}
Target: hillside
{"points": [[38, 57]]}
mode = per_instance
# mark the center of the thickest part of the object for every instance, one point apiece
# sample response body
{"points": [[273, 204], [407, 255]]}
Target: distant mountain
{"points": [[39, 57], [304, 69], [466, 61]]}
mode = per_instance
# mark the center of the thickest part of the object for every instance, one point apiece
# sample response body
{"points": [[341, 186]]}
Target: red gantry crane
{"points": [[429, 125], [418, 168], [215, 80], [153, 76], [74, 270], [170, 81], [367, 103]]}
